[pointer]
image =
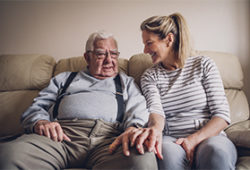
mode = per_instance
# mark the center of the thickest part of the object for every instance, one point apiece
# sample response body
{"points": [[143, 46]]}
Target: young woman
{"points": [[188, 92]]}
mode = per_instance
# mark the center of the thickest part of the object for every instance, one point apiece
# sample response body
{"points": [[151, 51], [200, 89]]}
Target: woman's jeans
{"points": [[216, 152]]}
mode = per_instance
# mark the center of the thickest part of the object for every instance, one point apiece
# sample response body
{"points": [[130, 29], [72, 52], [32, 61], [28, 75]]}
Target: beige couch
{"points": [[23, 76]]}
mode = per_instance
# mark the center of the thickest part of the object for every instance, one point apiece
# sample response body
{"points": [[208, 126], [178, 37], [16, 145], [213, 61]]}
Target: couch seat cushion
{"points": [[239, 133]]}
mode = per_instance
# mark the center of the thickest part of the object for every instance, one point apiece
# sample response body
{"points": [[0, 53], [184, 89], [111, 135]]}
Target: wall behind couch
{"points": [[61, 27]]}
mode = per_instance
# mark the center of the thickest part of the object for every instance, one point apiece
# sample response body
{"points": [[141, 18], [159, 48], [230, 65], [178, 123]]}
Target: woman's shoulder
{"points": [[199, 60], [154, 68], [202, 63], [151, 71]]}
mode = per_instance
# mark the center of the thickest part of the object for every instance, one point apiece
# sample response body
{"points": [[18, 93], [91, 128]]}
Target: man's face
{"points": [[103, 60]]}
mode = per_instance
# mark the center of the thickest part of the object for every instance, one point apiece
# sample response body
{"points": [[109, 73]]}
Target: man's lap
{"points": [[88, 148]]}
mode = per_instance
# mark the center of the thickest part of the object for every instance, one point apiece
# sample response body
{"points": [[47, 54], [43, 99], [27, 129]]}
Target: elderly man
{"points": [[73, 121]]}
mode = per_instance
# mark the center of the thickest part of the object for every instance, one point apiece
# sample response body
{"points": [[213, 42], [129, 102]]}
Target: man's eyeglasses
{"points": [[102, 54]]}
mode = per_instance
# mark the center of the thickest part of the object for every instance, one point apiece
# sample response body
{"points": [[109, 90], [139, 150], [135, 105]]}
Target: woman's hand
{"points": [[126, 139], [189, 145], [212, 128], [51, 130], [150, 137]]}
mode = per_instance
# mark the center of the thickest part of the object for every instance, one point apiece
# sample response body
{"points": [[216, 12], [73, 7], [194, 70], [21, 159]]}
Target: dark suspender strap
{"points": [[119, 98], [64, 88]]}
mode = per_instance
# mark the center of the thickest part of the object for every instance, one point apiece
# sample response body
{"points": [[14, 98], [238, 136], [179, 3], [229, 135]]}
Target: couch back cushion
{"points": [[79, 63], [13, 104], [229, 67], [21, 78], [226, 63], [23, 72]]}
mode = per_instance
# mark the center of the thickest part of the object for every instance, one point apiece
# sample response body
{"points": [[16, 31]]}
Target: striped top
{"points": [[188, 98]]}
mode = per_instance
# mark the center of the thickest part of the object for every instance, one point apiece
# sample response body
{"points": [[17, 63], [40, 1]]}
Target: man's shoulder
{"points": [[125, 76], [63, 74], [62, 77], [126, 79]]}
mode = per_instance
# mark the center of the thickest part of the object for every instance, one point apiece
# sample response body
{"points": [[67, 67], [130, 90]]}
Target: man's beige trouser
{"points": [[88, 149]]}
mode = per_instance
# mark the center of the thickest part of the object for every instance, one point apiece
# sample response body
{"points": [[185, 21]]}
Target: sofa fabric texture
{"points": [[25, 72], [23, 76]]}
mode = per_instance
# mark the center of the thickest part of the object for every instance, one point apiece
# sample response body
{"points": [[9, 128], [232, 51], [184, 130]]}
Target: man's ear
{"points": [[87, 57], [169, 39]]}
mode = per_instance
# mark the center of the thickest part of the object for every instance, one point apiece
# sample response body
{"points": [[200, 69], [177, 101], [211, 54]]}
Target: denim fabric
{"points": [[217, 152]]}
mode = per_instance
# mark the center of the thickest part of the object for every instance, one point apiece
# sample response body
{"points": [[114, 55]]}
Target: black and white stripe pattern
{"points": [[188, 97]]}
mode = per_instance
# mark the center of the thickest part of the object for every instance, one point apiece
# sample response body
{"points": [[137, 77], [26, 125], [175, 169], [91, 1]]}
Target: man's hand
{"points": [[51, 130], [126, 139], [141, 137], [150, 137]]}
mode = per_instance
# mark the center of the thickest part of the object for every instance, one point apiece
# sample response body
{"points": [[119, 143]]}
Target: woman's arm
{"points": [[218, 107], [152, 135]]}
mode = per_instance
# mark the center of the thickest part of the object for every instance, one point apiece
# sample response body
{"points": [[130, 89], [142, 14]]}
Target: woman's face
{"points": [[156, 47]]}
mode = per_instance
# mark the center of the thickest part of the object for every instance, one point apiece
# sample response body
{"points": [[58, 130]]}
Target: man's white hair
{"points": [[99, 35]]}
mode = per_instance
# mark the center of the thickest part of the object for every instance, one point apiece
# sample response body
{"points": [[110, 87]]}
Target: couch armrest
{"points": [[239, 133]]}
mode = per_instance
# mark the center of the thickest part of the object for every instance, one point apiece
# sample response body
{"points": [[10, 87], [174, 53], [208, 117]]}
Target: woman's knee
{"points": [[216, 152], [174, 156]]}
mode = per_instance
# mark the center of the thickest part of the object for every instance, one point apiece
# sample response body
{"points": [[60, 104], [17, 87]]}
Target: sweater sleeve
{"points": [[151, 93], [40, 108], [136, 111], [212, 82]]}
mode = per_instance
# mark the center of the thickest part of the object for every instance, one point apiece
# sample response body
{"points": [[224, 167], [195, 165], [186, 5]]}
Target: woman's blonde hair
{"points": [[175, 24]]}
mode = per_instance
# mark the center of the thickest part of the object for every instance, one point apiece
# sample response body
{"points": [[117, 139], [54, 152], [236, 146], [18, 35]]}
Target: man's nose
{"points": [[108, 57]]}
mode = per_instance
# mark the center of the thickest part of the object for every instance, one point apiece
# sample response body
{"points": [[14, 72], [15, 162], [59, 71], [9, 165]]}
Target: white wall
{"points": [[60, 28]]}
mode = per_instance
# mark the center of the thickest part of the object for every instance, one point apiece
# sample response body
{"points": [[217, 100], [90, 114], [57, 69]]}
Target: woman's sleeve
{"points": [[151, 93], [212, 82]]}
